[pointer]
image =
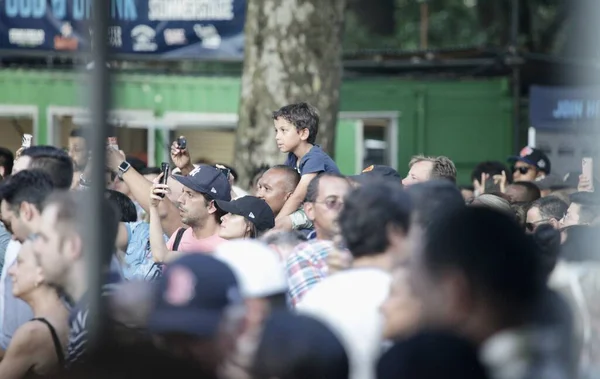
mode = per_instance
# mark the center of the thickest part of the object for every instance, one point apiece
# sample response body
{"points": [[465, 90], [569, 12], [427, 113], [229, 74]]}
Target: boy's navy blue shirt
{"points": [[313, 162]]}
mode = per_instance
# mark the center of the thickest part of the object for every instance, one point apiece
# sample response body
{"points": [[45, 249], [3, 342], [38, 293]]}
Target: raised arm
{"points": [[140, 187], [160, 252], [292, 204]]}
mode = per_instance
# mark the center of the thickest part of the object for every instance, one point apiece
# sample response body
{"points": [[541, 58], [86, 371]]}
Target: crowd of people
{"points": [[304, 274]]}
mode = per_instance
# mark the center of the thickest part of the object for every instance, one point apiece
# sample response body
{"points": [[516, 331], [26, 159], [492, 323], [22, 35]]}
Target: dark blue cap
{"points": [[192, 296], [207, 180], [534, 157]]}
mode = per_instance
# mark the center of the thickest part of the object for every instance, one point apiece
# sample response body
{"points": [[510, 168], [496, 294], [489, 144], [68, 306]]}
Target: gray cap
{"points": [[551, 182]]}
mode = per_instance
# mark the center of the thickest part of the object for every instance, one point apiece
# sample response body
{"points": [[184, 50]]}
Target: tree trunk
{"points": [[292, 54]]}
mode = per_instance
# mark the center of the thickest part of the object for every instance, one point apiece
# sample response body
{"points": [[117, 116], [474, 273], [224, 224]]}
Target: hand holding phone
{"points": [[166, 170], [181, 156], [112, 143], [182, 143], [26, 141]]}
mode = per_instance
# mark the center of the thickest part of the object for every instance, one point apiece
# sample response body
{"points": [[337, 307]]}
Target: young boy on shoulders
{"points": [[296, 128]]}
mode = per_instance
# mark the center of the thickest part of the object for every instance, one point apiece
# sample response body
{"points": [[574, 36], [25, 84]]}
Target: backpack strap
{"points": [[178, 238]]}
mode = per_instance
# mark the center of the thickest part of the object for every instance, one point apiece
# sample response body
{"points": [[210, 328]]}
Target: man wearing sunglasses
{"points": [[307, 264], [530, 165], [546, 210]]}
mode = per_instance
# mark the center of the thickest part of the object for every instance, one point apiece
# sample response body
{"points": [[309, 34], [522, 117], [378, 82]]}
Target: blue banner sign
{"points": [[168, 28], [564, 107]]}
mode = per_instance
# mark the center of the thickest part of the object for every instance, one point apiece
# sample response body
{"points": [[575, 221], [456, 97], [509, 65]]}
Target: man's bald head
{"points": [[291, 176], [276, 186]]}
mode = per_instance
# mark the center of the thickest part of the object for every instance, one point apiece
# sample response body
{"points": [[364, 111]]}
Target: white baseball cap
{"points": [[257, 267]]}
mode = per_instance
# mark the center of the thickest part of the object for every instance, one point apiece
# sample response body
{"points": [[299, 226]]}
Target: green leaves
{"points": [[452, 24]]}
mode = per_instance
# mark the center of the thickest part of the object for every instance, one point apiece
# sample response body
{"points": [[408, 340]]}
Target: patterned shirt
{"points": [[78, 322], [139, 263], [306, 266]]}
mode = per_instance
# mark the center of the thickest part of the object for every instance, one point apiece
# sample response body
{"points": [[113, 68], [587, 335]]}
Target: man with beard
{"points": [[201, 188]]}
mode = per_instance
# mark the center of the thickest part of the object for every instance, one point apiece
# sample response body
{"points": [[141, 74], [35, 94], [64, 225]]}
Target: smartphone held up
{"points": [[182, 143], [166, 171], [112, 143], [26, 141], [587, 171], [587, 168]]}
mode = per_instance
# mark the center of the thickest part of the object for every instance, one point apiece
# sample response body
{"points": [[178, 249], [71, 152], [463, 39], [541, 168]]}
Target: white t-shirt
{"points": [[348, 302]]}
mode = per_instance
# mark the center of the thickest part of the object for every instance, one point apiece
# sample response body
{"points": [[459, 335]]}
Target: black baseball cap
{"points": [[379, 171], [192, 296], [255, 210], [207, 180], [534, 157]]}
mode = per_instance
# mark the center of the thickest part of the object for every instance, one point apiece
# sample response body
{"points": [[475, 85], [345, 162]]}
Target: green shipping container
{"points": [[469, 121], [382, 120]]}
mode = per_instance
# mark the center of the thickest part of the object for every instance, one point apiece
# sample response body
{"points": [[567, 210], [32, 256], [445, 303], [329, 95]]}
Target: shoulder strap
{"points": [[55, 339], [178, 238]]}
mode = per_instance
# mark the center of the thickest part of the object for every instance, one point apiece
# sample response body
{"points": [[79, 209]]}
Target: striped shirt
{"points": [[78, 321]]}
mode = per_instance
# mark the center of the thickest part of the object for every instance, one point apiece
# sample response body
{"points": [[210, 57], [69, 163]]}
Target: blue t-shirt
{"points": [[139, 264], [139, 210], [313, 162]]}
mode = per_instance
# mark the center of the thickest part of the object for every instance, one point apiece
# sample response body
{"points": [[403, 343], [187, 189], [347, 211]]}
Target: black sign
{"points": [[564, 107], [169, 28]]}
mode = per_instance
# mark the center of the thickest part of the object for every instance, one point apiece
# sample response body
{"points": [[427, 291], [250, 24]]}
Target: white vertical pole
{"points": [[531, 137]]}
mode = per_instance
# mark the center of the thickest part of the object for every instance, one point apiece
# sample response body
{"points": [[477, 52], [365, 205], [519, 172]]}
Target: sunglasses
{"points": [[531, 226], [332, 204], [522, 170]]}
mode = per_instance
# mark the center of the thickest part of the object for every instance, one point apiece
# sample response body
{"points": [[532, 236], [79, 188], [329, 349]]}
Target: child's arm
{"points": [[292, 204]]}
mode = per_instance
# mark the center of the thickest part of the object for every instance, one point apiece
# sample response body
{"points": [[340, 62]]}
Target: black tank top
{"points": [[55, 339]]}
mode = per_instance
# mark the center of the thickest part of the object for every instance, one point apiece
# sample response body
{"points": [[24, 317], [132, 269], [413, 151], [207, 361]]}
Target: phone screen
{"points": [[587, 168]]}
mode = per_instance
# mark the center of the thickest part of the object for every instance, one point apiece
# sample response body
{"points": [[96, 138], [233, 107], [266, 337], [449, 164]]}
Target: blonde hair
{"points": [[443, 167]]}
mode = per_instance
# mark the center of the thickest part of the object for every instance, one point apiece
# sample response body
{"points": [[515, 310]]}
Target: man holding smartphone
{"points": [[197, 210]]}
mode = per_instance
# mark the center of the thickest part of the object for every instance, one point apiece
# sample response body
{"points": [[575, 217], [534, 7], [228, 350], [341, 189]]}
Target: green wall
{"points": [[468, 120]]}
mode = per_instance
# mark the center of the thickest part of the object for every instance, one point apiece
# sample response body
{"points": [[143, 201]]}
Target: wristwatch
{"points": [[123, 167]]}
